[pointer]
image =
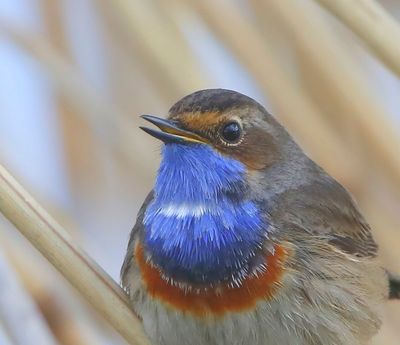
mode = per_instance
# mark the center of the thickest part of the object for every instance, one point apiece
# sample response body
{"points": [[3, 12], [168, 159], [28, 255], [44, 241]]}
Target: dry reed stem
{"points": [[73, 324], [373, 25], [56, 245]]}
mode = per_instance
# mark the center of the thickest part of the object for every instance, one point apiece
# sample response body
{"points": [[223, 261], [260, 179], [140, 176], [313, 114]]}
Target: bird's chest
{"points": [[282, 308], [224, 315], [203, 242], [261, 325], [201, 227], [280, 320]]}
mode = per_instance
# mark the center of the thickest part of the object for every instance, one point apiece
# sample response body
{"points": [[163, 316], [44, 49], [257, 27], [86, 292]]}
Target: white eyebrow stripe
{"points": [[184, 210]]}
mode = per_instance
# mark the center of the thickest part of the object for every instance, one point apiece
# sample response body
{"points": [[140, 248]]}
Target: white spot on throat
{"points": [[184, 210]]}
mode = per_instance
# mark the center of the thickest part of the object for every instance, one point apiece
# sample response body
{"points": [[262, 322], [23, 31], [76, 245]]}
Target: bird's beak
{"points": [[170, 132]]}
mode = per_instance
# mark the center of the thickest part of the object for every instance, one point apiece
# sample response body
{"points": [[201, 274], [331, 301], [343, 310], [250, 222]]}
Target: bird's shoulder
{"points": [[324, 209]]}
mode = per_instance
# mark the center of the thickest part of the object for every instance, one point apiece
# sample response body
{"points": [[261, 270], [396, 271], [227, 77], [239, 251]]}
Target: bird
{"points": [[245, 240]]}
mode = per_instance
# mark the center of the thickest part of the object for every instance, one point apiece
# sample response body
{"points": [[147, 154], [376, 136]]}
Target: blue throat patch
{"points": [[199, 226]]}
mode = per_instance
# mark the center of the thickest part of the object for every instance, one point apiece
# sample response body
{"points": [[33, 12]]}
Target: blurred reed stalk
{"points": [[4, 336], [66, 317], [373, 24], [160, 46], [97, 111], [308, 33], [55, 244], [21, 318]]}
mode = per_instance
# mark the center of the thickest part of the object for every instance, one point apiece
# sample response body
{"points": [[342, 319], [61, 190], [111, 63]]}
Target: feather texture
{"points": [[200, 226]]}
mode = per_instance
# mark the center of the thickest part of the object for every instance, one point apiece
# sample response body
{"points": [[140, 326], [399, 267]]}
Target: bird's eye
{"points": [[231, 132]]}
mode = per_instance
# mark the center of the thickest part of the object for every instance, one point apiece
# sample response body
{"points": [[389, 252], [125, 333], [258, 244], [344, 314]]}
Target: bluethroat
{"points": [[244, 240]]}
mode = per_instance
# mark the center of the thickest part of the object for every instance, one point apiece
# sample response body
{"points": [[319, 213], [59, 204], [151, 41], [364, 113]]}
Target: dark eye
{"points": [[231, 132]]}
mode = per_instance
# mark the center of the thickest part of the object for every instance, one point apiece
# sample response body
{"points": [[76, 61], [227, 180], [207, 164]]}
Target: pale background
{"points": [[76, 74]]}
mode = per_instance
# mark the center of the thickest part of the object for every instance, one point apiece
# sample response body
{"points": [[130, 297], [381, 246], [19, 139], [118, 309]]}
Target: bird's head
{"points": [[226, 122], [206, 223]]}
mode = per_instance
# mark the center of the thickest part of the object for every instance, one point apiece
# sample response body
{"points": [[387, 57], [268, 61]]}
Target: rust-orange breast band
{"points": [[221, 299]]}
